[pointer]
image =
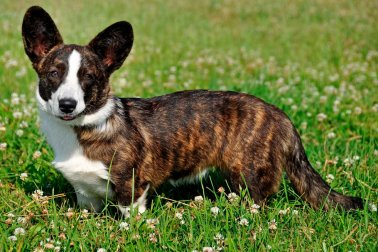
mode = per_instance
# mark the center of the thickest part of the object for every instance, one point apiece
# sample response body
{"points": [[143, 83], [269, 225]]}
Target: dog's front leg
{"points": [[89, 202], [127, 201]]}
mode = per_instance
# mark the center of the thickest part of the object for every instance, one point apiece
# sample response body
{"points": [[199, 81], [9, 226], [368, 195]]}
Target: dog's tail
{"points": [[310, 185]]}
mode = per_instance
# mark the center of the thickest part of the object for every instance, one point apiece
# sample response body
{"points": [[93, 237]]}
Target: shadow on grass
{"points": [[53, 183]]}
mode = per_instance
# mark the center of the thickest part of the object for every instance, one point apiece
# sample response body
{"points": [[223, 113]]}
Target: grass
{"points": [[316, 60]]}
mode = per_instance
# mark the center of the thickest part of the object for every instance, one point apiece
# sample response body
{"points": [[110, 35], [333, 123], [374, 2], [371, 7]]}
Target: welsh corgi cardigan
{"points": [[111, 147]]}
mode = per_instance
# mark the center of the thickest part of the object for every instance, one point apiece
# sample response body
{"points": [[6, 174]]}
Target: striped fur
{"points": [[139, 144]]}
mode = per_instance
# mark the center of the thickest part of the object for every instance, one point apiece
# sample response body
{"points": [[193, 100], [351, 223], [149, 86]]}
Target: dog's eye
{"points": [[53, 74], [89, 77]]}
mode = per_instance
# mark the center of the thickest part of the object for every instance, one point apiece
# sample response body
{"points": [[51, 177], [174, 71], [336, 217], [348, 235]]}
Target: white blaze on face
{"points": [[70, 87]]}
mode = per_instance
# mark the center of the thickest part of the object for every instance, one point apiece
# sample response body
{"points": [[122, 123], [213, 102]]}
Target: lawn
{"points": [[317, 61]]}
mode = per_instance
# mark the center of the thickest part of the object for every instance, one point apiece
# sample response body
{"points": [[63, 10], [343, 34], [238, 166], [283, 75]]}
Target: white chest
{"points": [[90, 178]]}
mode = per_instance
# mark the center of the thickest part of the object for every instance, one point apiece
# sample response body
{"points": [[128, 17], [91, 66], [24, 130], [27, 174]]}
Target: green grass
{"points": [[308, 58]]}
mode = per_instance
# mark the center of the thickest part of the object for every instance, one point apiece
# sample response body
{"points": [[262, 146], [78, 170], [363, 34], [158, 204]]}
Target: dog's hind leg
{"points": [[260, 177]]}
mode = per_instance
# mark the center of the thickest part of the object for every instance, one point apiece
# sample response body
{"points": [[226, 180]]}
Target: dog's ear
{"points": [[39, 34], [113, 44]]}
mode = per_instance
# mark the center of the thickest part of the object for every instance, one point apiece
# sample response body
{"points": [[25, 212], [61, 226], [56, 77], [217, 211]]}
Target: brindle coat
{"points": [[180, 134]]}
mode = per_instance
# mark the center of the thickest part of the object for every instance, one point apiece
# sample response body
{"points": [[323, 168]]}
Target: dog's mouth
{"points": [[71, 116], [67, 117]]}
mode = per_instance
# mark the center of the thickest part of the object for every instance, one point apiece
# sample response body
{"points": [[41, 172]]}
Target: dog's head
{"points": [[73, 79]]}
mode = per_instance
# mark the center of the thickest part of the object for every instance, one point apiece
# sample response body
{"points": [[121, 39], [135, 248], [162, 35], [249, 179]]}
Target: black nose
{"points": [[67, 105]]}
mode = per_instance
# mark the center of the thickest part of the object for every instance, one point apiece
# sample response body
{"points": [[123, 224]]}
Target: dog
{"points": [[122, 148]]}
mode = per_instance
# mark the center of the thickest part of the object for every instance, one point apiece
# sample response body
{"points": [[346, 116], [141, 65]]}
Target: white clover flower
{"points": [[185, 64], [273, 225], [335, 109], [12, 238], [23, 176], [37, 154], [372, 207], [151, 223], [334, 78], [284, 211], [23, 125], [19, 231], [214, 211], [17, 114], [375, 152], [297, 79], [371, 55], [178, 216], [124, 226], [22, 220], [255, 206], [220, 70], [152, 238], [295, 212], [321, 117], [84, 213], [318, 164], [10, 215], [348, 162], [375, 108], [69, 213], [37, 194], [283, 89], [15, 100], [331, 135], [136, 236], [173, 69], [57, 249], [49, 245], [21, 72], [219, 237], [172, 77], [243, 222], [280, 81], [198, 199], [303, 125], [254, 209], [208, 249], [330, 178], [323, 99], [232, 197], [101, 250], [19, 132], [289, 101], [357, 110], [11, 63], [221, 189], [330, 90]]}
